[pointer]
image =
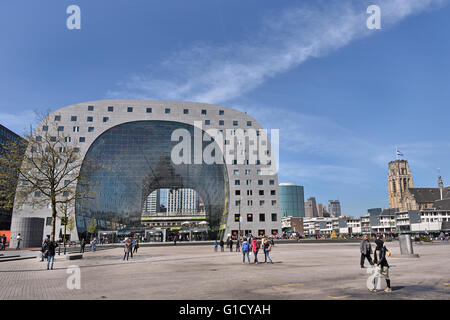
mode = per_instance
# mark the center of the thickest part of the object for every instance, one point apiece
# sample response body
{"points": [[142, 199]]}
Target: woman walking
{"points": [[267, 247], [255, 245], [245, 250], [127, 249]]}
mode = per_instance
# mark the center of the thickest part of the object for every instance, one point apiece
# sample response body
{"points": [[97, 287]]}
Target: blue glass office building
{"points": [[292, 200]]}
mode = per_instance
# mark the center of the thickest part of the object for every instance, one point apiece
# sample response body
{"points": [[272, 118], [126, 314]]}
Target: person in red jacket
{"points": [[255, 245]]}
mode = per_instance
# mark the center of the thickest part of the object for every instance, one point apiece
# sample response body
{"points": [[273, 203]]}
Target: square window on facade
{"points": [[67, 139], [149, 110], [167, 110], [90, 108], [260, 182], [91, 129], [48, 221], [73, 118], [221, 112], [53, 139], [274, 232], [249, 182], [90, 119], [221, 122], [261, 202], [249, 123], [272, 192], [204, 112], [274, 202], [236, 172], [76, 129], [235, 122], [237, 203], [130, 109], [110, 109], [186, 111], [60, 128], [57, 118], [261, 232], [261, 192], [274, 217], [45, 128], [250, 217], [249, 192], [82, 139], [207, 122], [272, 182], [237, 192], [237, 182], [262, 217], [249, 203], [105, 119]]}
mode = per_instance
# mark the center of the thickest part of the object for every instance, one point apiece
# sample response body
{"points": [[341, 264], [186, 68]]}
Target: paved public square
{"points": [[300, 271]]}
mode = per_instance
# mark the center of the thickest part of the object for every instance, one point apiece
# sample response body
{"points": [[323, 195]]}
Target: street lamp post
{"points": [[239, 234]]}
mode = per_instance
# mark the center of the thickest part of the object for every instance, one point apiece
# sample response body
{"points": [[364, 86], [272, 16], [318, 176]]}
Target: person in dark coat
{"points": [[379, 245], [82, 245], [50, 253], [231, 245], [221, 245], [383, 264], [366, 251]]}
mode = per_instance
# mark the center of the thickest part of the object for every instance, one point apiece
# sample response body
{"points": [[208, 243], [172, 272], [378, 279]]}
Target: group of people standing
{"points": [[380, 257], [130, 246], [252, 244]]}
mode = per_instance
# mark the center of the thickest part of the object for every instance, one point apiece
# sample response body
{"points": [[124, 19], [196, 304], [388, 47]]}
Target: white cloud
{"points": [[286, 39]]}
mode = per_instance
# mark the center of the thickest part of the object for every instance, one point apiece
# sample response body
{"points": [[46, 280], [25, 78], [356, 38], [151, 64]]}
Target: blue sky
{"points": [[342, 96]]}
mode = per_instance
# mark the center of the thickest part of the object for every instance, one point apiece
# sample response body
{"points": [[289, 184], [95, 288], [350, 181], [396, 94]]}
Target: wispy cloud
{"points": [[18, 122], [285, 40]]}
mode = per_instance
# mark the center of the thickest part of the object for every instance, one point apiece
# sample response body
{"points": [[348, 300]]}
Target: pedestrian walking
{"points": [[19, 239], [383, 264], [44, 248], [238, 245], [136, 245], [231, 245], [127, 249], [216, 244], [254, 246], [50, 254], [366, 251], [82, 245], [3, 241], [221, 245], [94, 244], [267, 247], [175, 240], [245, 250]]}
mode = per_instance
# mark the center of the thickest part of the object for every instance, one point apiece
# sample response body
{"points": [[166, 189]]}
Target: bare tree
{"points": [[48, 173]]}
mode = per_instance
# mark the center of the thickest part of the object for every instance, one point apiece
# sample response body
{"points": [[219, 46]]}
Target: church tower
{"points": [[399, 182]]}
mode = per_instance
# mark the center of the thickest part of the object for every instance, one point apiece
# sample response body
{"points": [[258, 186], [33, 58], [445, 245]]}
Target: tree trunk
{"points": [[53, 217]]}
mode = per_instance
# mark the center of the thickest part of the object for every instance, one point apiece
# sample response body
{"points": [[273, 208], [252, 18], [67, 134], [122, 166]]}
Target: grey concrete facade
{"points": [[263, 197]]}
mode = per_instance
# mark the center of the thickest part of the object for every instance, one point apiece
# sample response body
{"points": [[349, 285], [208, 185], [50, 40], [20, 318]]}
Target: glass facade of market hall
{"points": [[134, 160]]}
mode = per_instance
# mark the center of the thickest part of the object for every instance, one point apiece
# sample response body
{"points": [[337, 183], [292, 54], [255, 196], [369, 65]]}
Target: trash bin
{"points": [[406, 247]]}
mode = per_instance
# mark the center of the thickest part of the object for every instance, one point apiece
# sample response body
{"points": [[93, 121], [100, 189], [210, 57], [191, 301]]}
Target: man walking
{"points": [[221, 245], [94, 244], [19, 238], [238, 245], [44, 248], [50, 252], [366, 251], [82, 245], [231, 245], [379, 246], [3, 241]]}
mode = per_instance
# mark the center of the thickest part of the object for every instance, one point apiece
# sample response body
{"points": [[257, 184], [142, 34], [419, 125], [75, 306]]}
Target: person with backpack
{"points": [[267, 247], [245, 249], [221, 245], [50, 253], [255, 245], [216, 244]]}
